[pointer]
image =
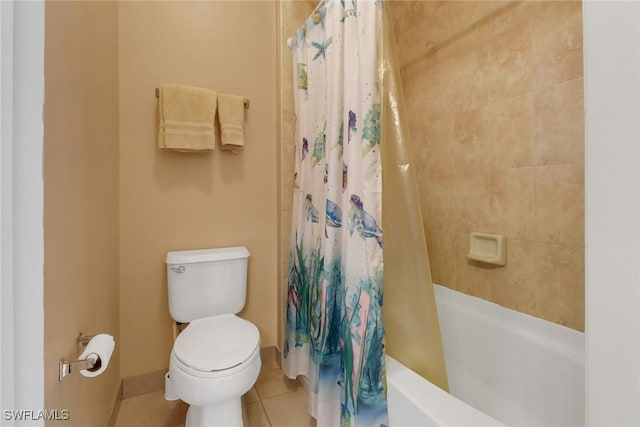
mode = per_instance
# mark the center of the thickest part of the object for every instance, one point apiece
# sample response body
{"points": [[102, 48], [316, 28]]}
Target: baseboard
{"points": [[278, 357], [268, 354], [154, 381], [114, 408], [143, 384]]}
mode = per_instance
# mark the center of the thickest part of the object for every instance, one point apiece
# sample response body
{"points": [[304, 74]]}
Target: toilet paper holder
{"points": [[82, 341], [65, 367]]}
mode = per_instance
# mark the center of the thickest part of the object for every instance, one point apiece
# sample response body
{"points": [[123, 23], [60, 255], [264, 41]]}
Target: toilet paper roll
{"points": [[100, 348]]}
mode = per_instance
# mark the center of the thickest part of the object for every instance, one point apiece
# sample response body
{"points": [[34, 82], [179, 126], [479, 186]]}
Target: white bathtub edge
{"points": [[440, 407], [517, 368], [561, 339]]}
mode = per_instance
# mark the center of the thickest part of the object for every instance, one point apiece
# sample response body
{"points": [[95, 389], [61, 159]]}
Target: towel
{"points": [[231, 114], [187, 118]]}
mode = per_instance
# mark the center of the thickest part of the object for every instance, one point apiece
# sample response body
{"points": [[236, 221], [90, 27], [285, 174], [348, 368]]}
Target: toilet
{"points": [[216, 358]]}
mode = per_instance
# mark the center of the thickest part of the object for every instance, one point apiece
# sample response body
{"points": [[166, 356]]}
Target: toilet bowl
{"points": [[216, 358], [214, 362]]}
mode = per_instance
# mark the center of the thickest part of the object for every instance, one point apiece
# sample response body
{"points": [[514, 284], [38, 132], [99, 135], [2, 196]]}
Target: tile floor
{"points": [[274, 401]]}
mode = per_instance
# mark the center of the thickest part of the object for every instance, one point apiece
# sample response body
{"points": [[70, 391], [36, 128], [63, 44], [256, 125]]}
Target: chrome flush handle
{"points": [[179, 269]]}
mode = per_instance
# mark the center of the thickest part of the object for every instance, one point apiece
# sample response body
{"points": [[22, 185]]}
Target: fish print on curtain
{"points": [[335, 333]]}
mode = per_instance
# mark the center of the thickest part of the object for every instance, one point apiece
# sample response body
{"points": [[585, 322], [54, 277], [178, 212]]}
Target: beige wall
{"points": [[291, 16], [494, 95], [174, 201], [80, 200]]}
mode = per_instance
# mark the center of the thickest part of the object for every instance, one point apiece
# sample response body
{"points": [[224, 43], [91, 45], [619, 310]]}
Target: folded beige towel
{"points": [[187, 118], [231, 114]]}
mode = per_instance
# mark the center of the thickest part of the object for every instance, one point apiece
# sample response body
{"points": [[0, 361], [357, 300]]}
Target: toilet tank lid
{"points": [[204, 255]]}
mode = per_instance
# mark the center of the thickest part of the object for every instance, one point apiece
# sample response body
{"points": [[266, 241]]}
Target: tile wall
{"points": [[494, 94]]}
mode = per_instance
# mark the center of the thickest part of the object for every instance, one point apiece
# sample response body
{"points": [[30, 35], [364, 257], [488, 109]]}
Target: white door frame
{"points": [[612, 101], [6, 241], [21, 207]]}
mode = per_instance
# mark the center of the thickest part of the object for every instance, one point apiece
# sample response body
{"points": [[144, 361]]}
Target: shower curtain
{"points": [[335, 333], [410, 313]]}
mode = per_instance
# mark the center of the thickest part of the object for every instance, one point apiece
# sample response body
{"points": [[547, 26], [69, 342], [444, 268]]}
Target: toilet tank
{"points": [[206, 282]]}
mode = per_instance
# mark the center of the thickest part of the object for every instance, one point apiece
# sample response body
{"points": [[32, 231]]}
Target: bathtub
{"points": [[415, 402], [504, 368]]}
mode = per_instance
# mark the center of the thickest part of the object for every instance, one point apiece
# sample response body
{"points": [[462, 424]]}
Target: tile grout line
{"points": [[279, 394], [264, 410]]}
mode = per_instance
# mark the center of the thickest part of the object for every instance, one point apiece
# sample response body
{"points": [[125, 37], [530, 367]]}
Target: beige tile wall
{"points": [[494, 95]]}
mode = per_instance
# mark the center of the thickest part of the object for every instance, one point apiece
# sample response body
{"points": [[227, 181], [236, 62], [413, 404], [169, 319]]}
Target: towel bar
{"points": [[246, 101]]}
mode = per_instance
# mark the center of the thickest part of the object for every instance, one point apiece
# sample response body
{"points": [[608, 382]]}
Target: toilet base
{"points": [[227, 413]]}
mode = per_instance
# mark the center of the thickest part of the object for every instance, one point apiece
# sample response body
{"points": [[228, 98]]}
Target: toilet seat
{"points": [[216, 346]]}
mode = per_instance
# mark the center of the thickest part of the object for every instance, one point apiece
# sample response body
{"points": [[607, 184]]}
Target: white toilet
{"points": [[216, 358]]}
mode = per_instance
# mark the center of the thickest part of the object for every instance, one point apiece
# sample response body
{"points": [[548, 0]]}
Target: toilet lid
{"points": [[216, 343]]}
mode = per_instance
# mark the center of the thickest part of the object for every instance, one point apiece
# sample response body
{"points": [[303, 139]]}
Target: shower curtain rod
{"points": [[311, 15], [315, 9]]}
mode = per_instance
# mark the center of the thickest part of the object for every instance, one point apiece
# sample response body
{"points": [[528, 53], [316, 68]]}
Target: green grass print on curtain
{"points": [[335, 332]]}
